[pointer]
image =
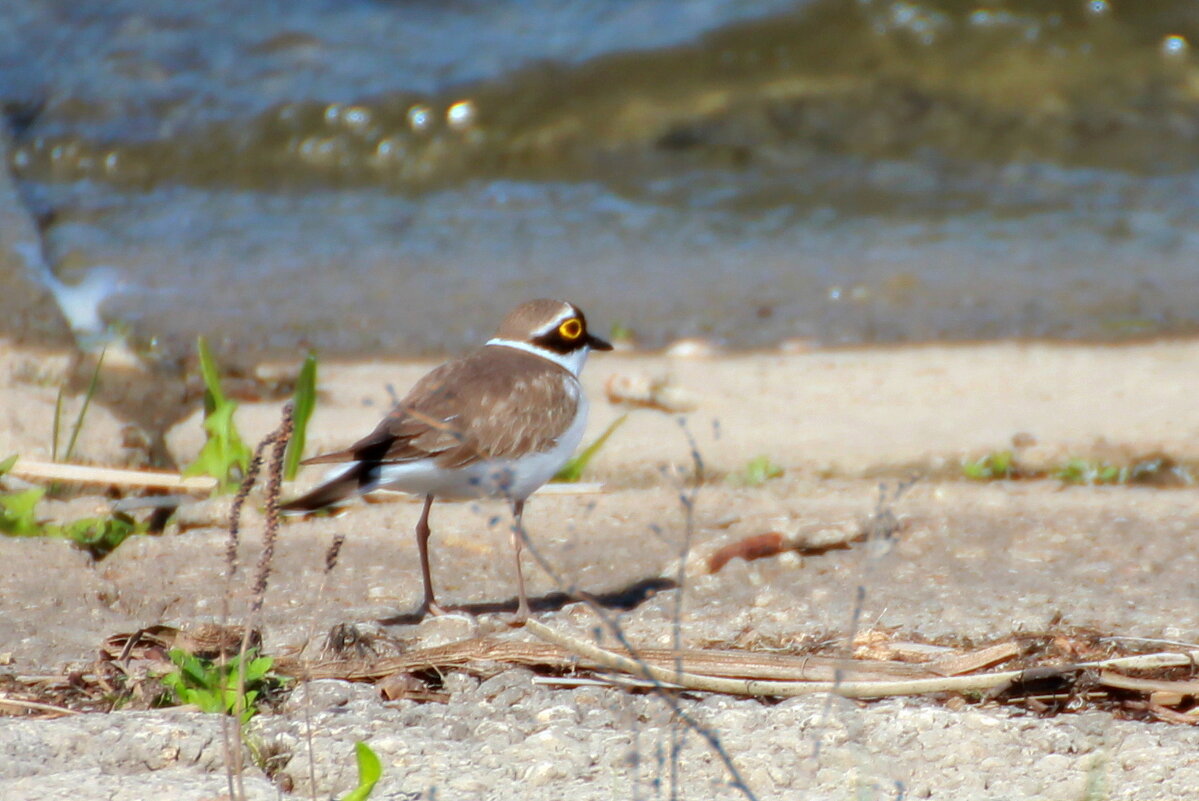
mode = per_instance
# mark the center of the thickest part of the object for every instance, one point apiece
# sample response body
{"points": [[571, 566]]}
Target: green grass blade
{"points": [[87, 402], [225, 456], [213, 394], [303, 404], [57, 423], [573, 469], [370, 769]]}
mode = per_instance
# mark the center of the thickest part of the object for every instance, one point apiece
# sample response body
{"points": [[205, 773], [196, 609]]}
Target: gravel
{"points": [[510, 738]]}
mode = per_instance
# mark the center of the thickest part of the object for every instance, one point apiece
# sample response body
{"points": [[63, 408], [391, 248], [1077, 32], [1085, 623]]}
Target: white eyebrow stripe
{"points": [[566, 314]]}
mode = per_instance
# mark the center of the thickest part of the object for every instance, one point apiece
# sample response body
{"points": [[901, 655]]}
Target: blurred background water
{"points": [[388, 176]]}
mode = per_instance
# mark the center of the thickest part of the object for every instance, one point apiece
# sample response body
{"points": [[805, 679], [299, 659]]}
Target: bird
{"points": [[500, 421]]}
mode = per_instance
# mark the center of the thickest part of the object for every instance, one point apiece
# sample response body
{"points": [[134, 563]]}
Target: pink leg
{"points": [[522, 609], [430, 605]]}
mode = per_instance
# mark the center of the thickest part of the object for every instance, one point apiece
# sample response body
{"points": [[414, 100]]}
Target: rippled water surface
{"points": [[385, 175]]}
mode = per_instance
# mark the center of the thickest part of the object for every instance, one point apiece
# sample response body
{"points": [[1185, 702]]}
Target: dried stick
{"points": [[111, 476], [36, 706], [486, 650], [847, 689]]}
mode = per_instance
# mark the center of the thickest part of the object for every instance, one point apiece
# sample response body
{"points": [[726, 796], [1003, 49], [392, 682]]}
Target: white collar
{"points": [[572, 361]]}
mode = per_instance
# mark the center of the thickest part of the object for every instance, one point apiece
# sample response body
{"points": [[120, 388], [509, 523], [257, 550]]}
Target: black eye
{"points": [[571, 329]]}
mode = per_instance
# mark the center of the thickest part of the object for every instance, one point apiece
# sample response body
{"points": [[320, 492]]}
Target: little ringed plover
{"points": [[498, 422]]}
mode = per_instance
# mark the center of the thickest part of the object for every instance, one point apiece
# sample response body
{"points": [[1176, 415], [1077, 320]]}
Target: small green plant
{"points": [[619, 332], [1085, 471], [99, 536], [224, 456], [995, 465], [18, 510], [303, 403], [370, 769], [573, 470], [1154, 470], [757, 471], [213, 688], [96, 535]]}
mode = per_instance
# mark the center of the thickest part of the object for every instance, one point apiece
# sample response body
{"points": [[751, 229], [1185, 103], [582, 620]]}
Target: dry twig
{"points": [[36, 706], [110, 476]]}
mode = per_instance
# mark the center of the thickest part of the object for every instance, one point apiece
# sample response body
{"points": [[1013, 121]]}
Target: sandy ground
{"points": [[972, 561]]}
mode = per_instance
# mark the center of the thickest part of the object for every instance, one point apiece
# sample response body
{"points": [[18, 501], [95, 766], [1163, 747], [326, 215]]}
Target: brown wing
{"points": [[496, 403]]}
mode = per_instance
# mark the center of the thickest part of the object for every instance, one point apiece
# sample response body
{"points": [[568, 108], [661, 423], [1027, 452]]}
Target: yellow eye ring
{"points": [[571, 329]]}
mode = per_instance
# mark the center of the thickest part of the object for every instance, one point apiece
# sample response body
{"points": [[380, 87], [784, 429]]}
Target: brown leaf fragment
{"points": [[809, 541], [750, 548], [1074, 647], [399, 686]]}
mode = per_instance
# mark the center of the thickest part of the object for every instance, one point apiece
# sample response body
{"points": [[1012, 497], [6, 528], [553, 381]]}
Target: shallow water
{"points": [[365, 176]]}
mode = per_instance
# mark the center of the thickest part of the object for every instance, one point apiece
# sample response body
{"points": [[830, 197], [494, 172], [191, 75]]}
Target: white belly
{"points": [[506, 478]]}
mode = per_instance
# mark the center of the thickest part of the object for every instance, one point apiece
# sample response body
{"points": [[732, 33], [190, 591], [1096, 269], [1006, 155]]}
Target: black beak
{"points": [[595, 343]]}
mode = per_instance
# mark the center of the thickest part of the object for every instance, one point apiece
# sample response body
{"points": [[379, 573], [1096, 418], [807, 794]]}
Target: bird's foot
{"points": [[522, 615], [432, 608]]}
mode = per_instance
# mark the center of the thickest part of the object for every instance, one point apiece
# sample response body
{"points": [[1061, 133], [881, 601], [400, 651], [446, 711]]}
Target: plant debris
{"points": [[1048, 674]]}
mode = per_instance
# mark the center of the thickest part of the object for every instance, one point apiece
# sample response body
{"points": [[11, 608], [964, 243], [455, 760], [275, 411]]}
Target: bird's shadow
{"points": [[626, 598]]}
